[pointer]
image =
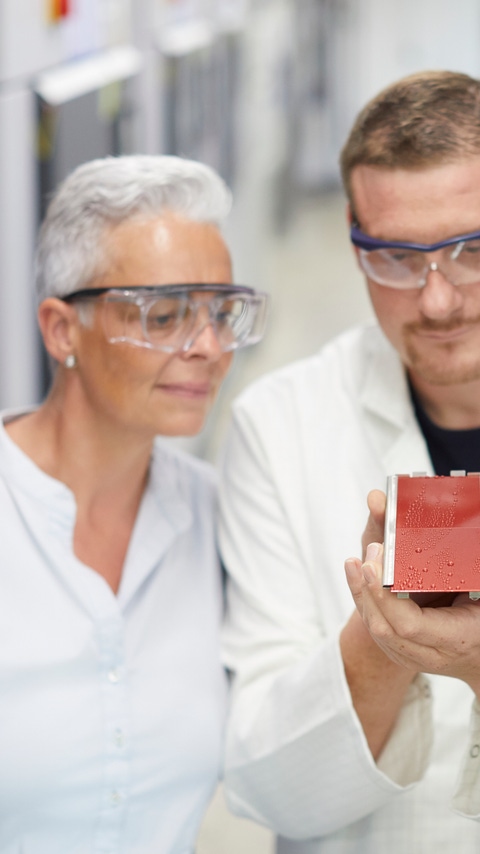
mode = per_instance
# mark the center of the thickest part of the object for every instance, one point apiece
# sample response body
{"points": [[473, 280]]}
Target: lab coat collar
{"points": [[386, 393]]}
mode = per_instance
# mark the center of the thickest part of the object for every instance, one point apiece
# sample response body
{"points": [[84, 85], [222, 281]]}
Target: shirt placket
{"points": [[116, 772], [110, 634]]}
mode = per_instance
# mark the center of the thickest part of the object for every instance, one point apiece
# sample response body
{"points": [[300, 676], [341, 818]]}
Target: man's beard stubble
{"points": [[443, 363]]}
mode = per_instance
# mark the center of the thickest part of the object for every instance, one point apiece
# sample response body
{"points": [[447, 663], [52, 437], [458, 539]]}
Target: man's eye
{"points": [[471, 247], [403, 256]]}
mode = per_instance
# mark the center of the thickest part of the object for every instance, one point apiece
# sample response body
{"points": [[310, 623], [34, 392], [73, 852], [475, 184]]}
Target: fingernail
{"points": [[350, 568], [373, 550]]}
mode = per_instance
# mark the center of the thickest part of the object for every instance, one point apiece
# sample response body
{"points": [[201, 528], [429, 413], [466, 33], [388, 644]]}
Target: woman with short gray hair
{"points": [[113, 696]]}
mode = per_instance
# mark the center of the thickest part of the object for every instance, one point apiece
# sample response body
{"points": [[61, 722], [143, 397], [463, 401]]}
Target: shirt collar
{"points": [[163, 515], [18, 468]]}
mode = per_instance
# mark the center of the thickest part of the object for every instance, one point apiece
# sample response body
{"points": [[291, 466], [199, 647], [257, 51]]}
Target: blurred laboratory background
{"points": [[264, 91]]}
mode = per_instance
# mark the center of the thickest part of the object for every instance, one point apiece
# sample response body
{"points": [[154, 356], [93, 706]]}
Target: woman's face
{"points": [[148, 391]]}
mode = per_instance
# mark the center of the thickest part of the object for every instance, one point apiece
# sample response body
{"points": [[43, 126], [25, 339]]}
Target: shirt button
{"points": [[115, 798], [114, 675], [119, 738], [474, 750]]}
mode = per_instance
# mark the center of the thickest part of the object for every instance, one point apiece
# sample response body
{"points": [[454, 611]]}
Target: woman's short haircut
{"points": [[425, 119], [100, 194]]}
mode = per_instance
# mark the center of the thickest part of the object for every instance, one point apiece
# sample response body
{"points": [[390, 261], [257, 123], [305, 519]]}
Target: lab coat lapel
{"points": [[386, 399]]}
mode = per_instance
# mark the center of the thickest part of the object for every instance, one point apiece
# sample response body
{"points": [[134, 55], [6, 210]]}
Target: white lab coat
{"points": [[307, 444]]}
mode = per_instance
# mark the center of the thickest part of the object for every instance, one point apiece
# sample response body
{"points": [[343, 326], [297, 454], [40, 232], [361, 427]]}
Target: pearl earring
{"points": [[71, 361]]}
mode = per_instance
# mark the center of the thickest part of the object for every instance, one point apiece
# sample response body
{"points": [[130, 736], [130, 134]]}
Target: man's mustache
{"points": [[429, 325]]}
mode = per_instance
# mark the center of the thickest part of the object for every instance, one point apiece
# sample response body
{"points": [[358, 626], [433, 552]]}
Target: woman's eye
{"points": [[163, 314], [230, 313], [224, 317], [162, 320]]}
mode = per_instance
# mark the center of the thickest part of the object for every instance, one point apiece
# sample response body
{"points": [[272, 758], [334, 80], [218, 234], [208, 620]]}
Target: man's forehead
{"points": [[401, 184], [424, 205]]}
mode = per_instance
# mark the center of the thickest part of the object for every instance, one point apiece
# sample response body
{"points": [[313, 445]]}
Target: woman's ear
{"points": [[58, 323]]}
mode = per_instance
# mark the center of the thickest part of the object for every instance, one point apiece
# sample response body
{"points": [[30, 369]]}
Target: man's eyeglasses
{"points": [[170, 317], [406, 265]]}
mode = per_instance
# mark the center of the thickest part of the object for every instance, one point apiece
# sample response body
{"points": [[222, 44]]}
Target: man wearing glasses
{"points": [[337, 739]]}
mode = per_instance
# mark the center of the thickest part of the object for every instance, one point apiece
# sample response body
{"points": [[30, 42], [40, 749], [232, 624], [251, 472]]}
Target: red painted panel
{"points": [[437, 545]]}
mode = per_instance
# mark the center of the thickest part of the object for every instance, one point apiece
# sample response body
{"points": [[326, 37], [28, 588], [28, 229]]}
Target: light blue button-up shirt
{"points": [[111, 706]]}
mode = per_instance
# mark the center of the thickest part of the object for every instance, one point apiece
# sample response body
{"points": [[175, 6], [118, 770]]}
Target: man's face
{"points": [[436, 328]]}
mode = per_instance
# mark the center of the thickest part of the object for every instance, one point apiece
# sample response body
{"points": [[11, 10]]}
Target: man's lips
{"points": [[438, 333]]}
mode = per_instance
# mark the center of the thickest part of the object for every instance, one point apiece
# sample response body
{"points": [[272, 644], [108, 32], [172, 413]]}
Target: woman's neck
{"points": [[97, 461], [105, 468]]}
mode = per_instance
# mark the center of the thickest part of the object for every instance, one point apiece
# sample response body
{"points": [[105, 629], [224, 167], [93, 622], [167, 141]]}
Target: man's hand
{"points": [[444, 640], [373, 532], [377, 684]]}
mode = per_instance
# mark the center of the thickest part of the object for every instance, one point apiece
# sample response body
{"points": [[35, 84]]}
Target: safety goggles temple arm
{"points": [[84, 294]]}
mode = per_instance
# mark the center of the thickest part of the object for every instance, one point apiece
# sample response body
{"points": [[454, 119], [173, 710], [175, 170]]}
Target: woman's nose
{"points": [[203, 339]]}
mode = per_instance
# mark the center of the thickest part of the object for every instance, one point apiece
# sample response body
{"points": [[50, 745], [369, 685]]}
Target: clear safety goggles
{"points": [[170, 317], [406, 265]]}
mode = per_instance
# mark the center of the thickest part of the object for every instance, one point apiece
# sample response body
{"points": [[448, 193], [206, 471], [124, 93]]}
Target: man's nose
{"points": [[438, 297]]}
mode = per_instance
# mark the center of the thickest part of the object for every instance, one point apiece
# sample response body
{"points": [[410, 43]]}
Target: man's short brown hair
{"points": [[423, 120]]}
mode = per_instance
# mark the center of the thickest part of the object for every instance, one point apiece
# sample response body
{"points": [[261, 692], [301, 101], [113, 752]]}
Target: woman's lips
{"points": [[190, 391]]}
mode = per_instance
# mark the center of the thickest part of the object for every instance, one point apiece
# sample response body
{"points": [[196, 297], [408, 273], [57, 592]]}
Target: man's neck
{"points": [[453, 407]]}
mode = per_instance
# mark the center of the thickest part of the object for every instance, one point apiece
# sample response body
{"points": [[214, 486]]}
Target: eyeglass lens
{"points": [[408, 268], [171, 323]]}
